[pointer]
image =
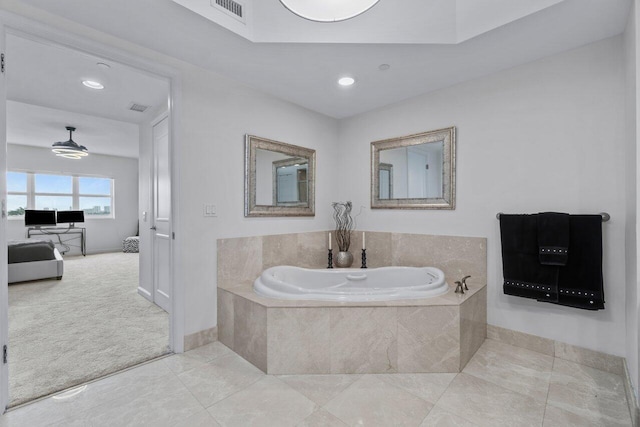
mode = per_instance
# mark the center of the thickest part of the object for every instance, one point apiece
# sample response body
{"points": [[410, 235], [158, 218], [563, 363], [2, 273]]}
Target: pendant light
{"points": [[69, 149]]}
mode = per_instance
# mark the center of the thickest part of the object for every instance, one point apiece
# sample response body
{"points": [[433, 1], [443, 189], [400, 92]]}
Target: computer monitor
{"points": [[36, 218], [66, 217]]}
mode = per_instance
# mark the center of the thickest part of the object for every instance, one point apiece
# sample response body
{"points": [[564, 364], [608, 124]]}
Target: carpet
{"points": [[89, 324]]}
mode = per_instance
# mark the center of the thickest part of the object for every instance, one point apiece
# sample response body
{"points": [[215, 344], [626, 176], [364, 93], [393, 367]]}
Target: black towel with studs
{"points": [[553, 238], [524, 276], [578, 283]]}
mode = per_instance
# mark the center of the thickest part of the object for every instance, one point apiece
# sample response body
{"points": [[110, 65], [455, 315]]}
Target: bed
{"points": [[33, 259]]}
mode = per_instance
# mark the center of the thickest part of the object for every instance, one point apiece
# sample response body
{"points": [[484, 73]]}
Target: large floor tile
{"points": [[558, 417], [588, 392], [199, 419], [425, 386], [196, 358], [268, 402], [372, 402], [166, 404], [67, 405], [319, 388], [321, 418], [438, 417], [513, 368], [220, 378], [487, 404]]}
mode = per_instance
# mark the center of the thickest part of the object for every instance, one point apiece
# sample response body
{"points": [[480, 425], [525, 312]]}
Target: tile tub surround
{"points": [[438, 334], [241, 260]]}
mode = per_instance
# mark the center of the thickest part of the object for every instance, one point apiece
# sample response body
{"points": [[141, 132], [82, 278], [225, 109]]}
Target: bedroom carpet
{"points": [[87, 325]]}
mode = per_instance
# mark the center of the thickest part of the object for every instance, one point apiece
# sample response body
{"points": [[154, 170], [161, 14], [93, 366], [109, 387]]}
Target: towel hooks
{"points": [[605, 216]]}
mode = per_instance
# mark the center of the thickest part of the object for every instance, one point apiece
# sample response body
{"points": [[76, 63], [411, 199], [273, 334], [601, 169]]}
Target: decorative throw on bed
{"points": [[553, 257], [30, 250]]}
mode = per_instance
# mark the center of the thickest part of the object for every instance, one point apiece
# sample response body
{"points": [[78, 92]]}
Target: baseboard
{"points": [[632, 400], [584, 356], [200, 338]]}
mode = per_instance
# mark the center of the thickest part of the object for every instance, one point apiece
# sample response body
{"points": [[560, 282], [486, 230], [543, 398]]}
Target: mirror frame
{"points": [[448, 201], [251, 209]]}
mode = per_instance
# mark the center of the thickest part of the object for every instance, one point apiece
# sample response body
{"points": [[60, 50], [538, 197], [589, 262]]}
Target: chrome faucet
{"points": [[464, 282]]}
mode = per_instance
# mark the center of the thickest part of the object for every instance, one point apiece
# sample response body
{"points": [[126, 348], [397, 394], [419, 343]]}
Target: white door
{"points": [[4, 305], [161, 218]]}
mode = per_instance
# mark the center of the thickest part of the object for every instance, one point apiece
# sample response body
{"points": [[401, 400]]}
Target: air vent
{"points": [[230, 7], [138, 107]]}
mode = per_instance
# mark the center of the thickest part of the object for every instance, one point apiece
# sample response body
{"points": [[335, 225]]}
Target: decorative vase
{"points": [[344, 259]]}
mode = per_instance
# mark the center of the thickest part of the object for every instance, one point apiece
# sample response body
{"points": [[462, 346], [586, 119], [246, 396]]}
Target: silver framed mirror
{"points": [[279, 178], [414, 171]]}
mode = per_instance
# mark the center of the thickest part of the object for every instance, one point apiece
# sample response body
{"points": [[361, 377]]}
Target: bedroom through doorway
{"points": [[80, 308]]}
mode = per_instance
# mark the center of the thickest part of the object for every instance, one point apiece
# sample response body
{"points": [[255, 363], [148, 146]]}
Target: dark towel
{"points": [[524, 276], [580, 282], [553, 238]]}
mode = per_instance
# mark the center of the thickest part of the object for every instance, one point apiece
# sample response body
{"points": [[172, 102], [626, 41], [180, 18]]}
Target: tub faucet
{"points": [[464, 282], [459, 288]]}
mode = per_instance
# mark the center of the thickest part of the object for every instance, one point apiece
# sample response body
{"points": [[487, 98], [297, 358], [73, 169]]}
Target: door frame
{"points": [[11, 23]]}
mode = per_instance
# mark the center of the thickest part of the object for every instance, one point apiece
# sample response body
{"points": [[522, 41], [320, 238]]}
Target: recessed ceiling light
{"points": [[93, 84], [346, 81], [384, 67]]}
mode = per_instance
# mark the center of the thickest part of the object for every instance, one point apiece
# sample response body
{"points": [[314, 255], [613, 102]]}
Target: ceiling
{"points": [[306, 73], [45, 93]]}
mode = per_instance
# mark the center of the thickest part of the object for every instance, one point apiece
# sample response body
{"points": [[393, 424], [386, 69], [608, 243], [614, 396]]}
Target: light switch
{"points": [[210, 210], [144, 216]]}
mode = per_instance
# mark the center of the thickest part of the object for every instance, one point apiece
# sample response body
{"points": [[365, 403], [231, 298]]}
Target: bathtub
{"points": [[354, 284]]}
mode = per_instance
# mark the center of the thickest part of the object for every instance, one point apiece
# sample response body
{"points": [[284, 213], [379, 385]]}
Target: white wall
{"points": [[103, 235], [545, 136], [631, 57], [217, 113]]}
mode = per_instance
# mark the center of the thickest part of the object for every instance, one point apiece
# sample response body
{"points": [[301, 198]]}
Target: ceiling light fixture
{"points": [[328, 10], [346, 81], [69, 149], [91, 84]]}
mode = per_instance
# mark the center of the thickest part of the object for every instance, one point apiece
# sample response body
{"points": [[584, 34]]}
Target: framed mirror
{"points": [[279, 178], [414, 171]]}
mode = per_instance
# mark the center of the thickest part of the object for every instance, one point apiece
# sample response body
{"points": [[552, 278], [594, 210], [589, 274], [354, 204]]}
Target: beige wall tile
{"points": [[250, 332], [595, 359], [225, 317], [280, 249], [363, 340], [378, 249], [473, 325], [312, 249], [520, 339], [428, 339], [298, 341], [456, 256], [239, 260]]}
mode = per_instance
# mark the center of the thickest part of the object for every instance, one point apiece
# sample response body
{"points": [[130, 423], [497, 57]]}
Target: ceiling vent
{"points": [[138, 107], [230, 7]]}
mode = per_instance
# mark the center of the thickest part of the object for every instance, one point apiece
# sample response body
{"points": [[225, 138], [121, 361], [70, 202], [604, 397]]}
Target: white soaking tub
{"points": [[353, 284]]}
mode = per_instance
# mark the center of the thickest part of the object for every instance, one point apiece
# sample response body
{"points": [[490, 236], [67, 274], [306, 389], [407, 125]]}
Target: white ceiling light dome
{"points": [[328, 10]]}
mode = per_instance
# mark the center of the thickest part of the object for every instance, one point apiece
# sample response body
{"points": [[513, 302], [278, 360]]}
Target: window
{"points": [[26, 190], [17, 193]]}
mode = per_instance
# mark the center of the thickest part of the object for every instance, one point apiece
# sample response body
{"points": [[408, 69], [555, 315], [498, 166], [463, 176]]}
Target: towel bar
{"points": [[605, 216]]}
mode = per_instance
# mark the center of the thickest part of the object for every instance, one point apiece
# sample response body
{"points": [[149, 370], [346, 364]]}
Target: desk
{"points": [[68, 233]]}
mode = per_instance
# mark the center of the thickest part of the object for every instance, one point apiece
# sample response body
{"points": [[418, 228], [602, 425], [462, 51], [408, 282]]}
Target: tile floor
{"points": [[211, 386]]}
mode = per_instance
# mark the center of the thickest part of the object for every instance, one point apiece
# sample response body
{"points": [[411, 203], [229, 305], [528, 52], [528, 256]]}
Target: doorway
{"points": [[145, 268]]}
